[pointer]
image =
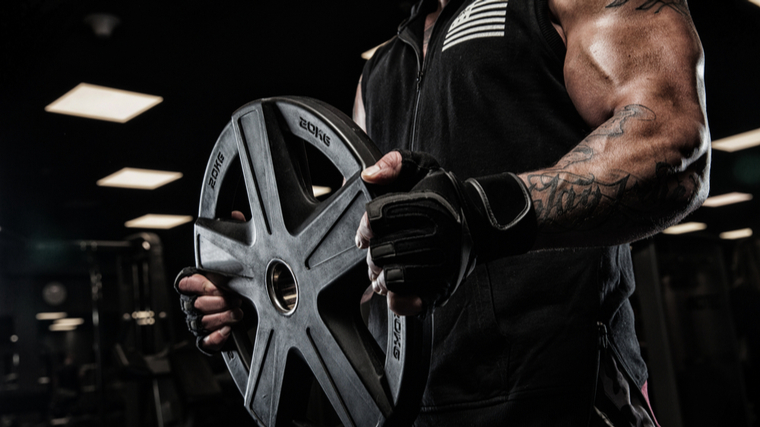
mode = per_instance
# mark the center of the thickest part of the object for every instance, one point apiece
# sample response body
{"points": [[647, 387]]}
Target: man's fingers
{"points": [[378, 284], [213, 322], [372, 269], [238, 216], [405, 305], [216, 304], [385, 171], [199, 285], [215, 340], [363, 233]]}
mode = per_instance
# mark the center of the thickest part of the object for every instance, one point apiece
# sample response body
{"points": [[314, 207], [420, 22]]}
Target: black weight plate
{"points": [[296, 265]]}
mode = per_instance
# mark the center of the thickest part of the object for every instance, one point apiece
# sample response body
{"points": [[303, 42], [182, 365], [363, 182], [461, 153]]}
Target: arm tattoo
{"points": [[614, 126], [677, 5], [567, 200], [611, 128]]}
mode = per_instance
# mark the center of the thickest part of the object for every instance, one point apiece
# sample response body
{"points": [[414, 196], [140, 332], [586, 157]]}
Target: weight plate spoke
{"points": [[253, 146], [222, 243], [331, 231], [293, 197], [262, 378], [343, 384]]}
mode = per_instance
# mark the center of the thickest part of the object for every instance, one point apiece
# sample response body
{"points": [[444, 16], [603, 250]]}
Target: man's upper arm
{"points": [[633, 52]]}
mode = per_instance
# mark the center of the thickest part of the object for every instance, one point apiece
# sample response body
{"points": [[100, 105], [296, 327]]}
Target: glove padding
{"points": [[428, 240], [193, 317]]}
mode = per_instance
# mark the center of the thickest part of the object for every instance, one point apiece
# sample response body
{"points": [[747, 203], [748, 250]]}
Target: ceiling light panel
{"points": [[103, 103], [736, 234], [70, 321], [50, 316], [726, 199], [738, 142], [157, 221], [686, 227], [59, 328], [319, 190], [144, 179]]}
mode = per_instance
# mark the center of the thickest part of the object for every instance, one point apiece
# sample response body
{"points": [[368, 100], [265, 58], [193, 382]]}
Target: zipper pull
{"points": [[603, 338], [419, 78]]}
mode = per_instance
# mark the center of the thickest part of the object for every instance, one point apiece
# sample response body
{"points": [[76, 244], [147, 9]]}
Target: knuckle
{"points": [[210, 322], [204, 305], [209, 288]]}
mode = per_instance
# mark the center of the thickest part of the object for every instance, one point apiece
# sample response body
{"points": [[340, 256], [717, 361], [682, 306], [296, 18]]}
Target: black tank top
{"points": [[520, 335]]}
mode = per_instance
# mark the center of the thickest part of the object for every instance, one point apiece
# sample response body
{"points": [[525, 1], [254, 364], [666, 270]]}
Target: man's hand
{"points": [[385, 172], [214, 311], [425, 236], [210, 312]]}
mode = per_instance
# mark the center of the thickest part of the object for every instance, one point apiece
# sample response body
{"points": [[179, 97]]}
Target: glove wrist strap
{"points": [[509, 224]]}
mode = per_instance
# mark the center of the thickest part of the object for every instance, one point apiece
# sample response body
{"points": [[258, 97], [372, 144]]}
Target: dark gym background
{"points": [[699, 296]]}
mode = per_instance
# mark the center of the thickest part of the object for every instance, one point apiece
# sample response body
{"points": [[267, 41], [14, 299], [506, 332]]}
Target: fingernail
{"points": [[225, 331], [371, 171]]}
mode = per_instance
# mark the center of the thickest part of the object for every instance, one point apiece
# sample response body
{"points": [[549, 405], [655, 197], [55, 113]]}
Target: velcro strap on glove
{"points": [[509, 226]]}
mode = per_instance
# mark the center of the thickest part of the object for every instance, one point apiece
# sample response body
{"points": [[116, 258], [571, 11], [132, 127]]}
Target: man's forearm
{"points": [[619, 184]]}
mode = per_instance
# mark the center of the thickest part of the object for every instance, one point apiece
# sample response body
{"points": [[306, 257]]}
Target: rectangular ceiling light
{"points": [[686, 227], [69, 321], [163, 222], [103, 103], [50, 316], [736, 234], [757, 2], [320, 190], [144, 179], [726, 199], [58, 328], [738, 142]]}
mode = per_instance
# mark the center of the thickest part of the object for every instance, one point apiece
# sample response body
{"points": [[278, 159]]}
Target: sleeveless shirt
{"points": [[519, 339]]}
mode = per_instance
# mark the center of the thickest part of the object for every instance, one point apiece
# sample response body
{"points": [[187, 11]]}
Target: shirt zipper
{"points": [[415, 117], [421, 61], [418, 83]]}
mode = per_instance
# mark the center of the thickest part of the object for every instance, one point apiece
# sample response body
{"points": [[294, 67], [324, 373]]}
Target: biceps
{"points": [[631, 56]]}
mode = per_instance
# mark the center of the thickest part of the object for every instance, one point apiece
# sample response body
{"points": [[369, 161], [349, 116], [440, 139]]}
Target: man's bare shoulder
{"points": [[569, 12]]}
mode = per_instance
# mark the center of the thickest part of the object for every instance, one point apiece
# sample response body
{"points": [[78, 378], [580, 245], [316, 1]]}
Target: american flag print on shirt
{"points": [[483, 18]]}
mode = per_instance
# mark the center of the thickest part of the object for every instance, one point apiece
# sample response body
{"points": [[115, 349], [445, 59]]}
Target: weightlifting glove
{"points": [[427, 240]]}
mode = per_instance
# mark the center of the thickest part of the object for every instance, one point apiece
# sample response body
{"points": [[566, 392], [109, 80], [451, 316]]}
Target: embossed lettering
{"points": [[314, 130], [396, 337], [218, 162]]}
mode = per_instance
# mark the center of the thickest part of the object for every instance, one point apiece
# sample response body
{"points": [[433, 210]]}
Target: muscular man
{"points": [[554, 133]]}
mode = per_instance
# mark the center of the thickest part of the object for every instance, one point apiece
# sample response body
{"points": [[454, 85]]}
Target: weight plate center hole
{"points": [[282, 287]]}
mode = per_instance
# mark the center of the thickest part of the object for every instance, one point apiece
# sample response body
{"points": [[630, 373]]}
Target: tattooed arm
{"points": [[634, 72]]}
